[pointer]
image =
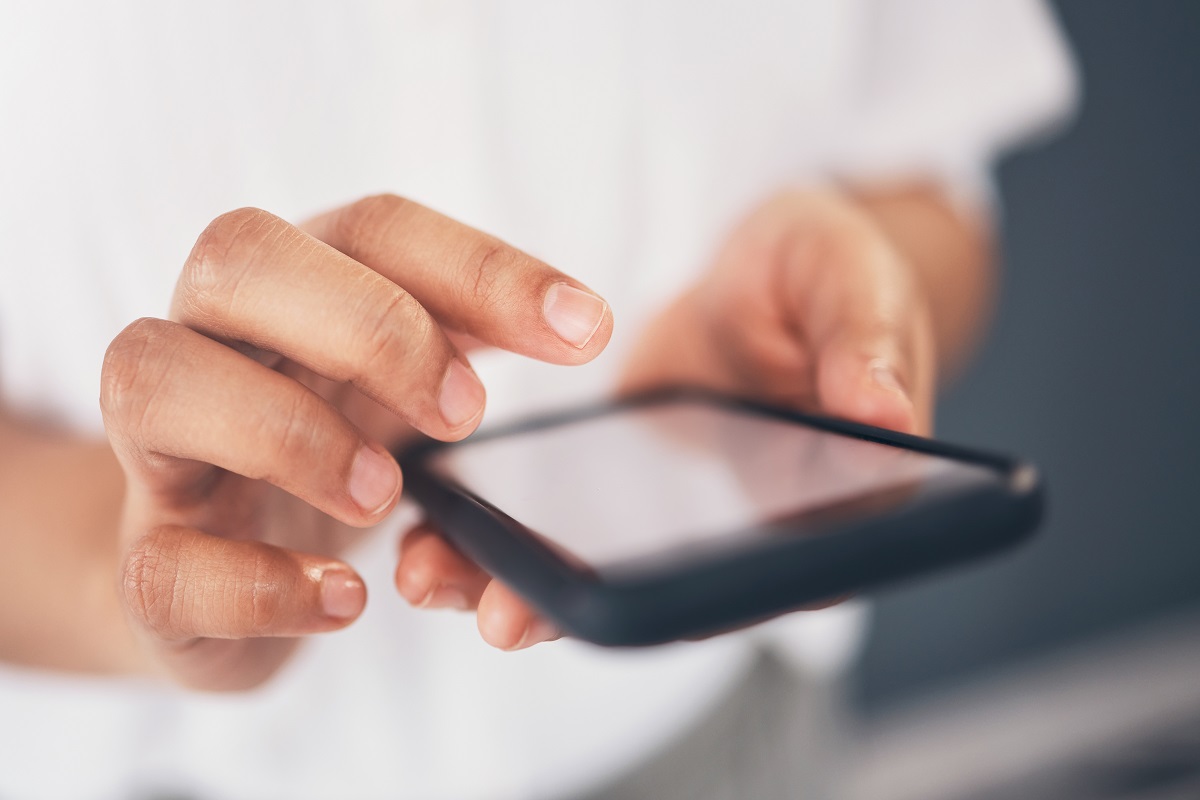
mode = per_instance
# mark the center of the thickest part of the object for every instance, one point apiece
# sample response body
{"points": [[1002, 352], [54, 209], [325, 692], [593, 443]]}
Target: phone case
{"points": [[658, 602]]}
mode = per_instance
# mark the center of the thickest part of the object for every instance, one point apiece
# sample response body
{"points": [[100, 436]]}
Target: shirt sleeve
{"points": [[945, 86]]}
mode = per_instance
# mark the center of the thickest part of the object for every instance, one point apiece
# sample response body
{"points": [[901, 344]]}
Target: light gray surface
{"points": [[1063, 727]]}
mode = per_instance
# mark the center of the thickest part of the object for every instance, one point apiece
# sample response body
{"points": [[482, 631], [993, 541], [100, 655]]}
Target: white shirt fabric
{"points": [[619, 141]]}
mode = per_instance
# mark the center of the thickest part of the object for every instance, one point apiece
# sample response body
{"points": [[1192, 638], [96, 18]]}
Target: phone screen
{"points": [[645, 481]]}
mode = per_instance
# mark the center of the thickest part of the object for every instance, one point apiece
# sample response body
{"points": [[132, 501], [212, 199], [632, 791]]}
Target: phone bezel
{"points": [[663, 600]]}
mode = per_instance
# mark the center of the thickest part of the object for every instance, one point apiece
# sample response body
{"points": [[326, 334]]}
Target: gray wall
{"points": [[1092, 370]]}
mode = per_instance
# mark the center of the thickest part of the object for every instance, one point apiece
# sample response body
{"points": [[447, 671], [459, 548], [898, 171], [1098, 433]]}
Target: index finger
{"points": [[470, 281]]}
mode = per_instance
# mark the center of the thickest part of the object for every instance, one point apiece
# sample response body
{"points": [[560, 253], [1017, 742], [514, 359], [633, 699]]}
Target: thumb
{"points": [[867, 381], [180, 585]]}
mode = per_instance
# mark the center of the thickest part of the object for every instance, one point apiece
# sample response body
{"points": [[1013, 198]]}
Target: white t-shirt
{"points": [[617, 140]]}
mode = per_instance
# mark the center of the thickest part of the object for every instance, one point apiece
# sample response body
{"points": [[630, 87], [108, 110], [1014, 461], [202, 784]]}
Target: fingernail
{"points": [[885, 376], [342, 594], [413, 588], [899, 413], [462, 395], [374, 480], [574, 314], [446, 597], [539, 630]]}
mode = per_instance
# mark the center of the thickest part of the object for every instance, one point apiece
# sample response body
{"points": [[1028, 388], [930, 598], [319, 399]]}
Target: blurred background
{"points": [[1092, 371]]}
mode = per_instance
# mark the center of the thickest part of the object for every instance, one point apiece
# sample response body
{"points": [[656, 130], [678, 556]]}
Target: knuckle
{"points": [[399, 331], [261, 600], [295, 425], [363, 222], [224, 253], [151, 584], [488, 263], [134, 363]]}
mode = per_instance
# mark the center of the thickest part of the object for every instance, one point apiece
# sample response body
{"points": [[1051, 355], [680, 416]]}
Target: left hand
{"points": [[808, 304]]}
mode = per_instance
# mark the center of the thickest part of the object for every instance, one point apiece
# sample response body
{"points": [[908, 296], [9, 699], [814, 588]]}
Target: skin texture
{"points": [[248, 434]]}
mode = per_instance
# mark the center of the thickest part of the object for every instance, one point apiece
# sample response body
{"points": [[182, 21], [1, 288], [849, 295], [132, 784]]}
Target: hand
{"points": [[254, 427], [808, 304]]}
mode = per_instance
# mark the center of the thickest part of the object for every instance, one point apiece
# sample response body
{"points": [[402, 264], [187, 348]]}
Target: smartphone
{"points": [[683, 513]]}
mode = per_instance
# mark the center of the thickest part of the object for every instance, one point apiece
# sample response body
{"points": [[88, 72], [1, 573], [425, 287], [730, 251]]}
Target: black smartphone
{"points": [[683, 513]]}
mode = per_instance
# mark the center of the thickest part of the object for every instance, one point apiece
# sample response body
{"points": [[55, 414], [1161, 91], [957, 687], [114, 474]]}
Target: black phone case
{"points": [[759, 579]]}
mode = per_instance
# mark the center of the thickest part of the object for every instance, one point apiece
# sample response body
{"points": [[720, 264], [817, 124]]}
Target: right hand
{"points": [[254, 426]]}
